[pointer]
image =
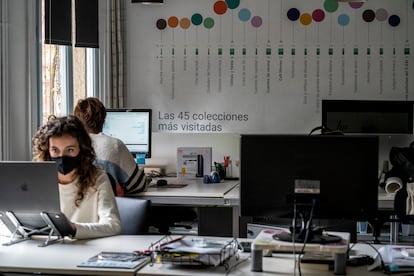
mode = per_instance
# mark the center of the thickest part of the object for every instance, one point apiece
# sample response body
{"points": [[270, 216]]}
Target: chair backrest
{"points": [[134, 213]]}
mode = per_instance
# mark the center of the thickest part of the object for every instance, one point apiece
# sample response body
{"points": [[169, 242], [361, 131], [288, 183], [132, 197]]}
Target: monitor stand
{"points": [[314, 236], [306, 233]]}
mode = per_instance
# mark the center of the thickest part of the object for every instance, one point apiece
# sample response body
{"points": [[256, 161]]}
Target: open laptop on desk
{"points": [[29, 200]]}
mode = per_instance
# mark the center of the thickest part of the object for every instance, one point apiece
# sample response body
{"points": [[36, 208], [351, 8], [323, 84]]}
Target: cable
{"points": [[294, 237], [308, 226], [384, 267]]}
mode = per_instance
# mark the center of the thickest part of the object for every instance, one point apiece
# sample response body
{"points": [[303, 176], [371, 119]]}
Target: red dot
{"points": [[220, 7]]}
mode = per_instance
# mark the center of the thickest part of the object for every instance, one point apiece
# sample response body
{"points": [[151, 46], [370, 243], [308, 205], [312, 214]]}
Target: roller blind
{"points": [[58, 23]]}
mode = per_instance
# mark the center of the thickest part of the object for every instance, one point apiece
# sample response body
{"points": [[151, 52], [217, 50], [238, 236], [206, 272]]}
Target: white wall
{"points": [[163, 85], [164, 148]]}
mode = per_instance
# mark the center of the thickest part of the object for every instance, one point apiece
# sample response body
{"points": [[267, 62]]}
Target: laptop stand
{"points": [[23, 233]]}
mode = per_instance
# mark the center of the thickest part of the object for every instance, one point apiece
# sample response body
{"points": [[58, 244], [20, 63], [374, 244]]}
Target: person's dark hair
{"points": [[92, 113], [68, 125]]}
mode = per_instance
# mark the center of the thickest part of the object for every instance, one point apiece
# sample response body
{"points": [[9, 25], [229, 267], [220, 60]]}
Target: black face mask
{"points": [[66, 164]]}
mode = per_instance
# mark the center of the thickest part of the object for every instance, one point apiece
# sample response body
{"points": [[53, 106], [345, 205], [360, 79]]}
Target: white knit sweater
{"points": [[97, 214]]}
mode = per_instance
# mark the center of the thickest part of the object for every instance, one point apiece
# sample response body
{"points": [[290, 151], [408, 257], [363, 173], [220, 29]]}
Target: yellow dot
{"points": [[305, 19]]}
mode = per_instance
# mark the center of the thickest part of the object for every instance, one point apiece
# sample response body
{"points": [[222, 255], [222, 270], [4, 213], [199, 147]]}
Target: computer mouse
{"points": [[161, 182]]}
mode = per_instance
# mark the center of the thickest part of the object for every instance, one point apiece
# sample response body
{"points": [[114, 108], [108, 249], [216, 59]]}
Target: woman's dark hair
{"points": [[68, 125], [92, 113]]}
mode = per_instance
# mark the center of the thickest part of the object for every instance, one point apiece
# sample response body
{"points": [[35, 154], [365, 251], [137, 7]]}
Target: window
{"points": [[68, 73]]}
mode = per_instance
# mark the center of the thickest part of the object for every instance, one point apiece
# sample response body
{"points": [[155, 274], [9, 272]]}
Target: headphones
{"points": [[214, 177]]}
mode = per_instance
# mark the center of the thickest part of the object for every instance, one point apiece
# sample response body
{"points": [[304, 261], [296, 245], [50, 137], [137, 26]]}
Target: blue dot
{"points": [[244, 15], [394, 20], [343, 19]]}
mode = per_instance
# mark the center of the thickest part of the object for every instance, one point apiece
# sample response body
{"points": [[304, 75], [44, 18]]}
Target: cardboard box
{"points": [[193, 162]]}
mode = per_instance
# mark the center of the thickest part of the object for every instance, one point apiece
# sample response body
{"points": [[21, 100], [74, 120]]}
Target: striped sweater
{"points": [[114, 157]]}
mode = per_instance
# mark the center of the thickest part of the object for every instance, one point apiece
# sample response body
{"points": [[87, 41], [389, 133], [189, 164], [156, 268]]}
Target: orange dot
{"points": [[220, 7], [185, 23], [306, 19], [173, 21]]}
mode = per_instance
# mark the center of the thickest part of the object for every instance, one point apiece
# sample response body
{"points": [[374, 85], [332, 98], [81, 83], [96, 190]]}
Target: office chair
{"points": [[134, 213]]}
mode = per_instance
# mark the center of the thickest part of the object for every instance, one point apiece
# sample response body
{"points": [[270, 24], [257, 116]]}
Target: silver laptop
{"points": [[29, 191]]}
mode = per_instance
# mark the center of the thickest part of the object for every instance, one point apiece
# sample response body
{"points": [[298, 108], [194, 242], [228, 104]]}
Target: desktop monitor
{"points": [[338, 172], [364, 116], [131, 126]]}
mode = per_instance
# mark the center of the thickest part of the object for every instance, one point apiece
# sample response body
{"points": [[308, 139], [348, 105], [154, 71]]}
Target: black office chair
{"points": [[134, 213]]}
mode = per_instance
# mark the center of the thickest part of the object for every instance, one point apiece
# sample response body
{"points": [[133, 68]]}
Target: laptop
{"points": [[29, 197]]}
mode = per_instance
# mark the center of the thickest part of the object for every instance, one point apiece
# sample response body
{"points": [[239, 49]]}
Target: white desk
{"points": [[62, 259], [196, 193]]}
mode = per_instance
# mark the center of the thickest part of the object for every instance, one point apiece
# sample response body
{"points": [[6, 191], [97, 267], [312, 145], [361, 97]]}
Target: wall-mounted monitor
{"points": [[374, 117], [131, 126]]}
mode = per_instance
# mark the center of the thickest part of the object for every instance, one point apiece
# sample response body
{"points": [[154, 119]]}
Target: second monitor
{"points": [[338, 172]]}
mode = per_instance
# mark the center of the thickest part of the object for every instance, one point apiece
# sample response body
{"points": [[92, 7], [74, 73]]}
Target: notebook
{"points": [[27, 189]]}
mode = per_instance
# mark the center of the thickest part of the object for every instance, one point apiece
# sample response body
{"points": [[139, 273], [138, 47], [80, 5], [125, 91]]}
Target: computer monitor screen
{"points": [[131, 126], [378, 117], [340, 171]]}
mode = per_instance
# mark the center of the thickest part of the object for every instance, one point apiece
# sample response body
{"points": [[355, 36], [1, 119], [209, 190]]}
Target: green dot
{"points": [[232, 4], [197, 19], [209, 22], [331, 5]]}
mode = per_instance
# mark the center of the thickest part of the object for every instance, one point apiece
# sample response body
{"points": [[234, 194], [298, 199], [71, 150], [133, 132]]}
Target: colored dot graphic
{"points": [[233, 4], [220, 7], [343, 19], [368, 15], [197, 19], [185, 23], [209, 23], [394, 20], [173, 21], [356, 5], [293, 14], [318, 15], [244, 15], [305, 19], [256, 21], [331, 5], [161, 24]]}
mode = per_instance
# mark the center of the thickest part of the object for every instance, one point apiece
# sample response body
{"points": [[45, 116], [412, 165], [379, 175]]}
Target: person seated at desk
{"points": [[111, 153], [86, 196]]}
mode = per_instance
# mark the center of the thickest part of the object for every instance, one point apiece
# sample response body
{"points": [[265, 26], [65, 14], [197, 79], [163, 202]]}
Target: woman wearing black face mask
{"points": [[82, 185]]}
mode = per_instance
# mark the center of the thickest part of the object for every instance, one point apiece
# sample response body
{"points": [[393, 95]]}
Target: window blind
{"points": [[58, 23]]}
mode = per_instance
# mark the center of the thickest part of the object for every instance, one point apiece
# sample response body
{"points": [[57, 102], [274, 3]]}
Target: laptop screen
{"points": [[26, 189]]}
